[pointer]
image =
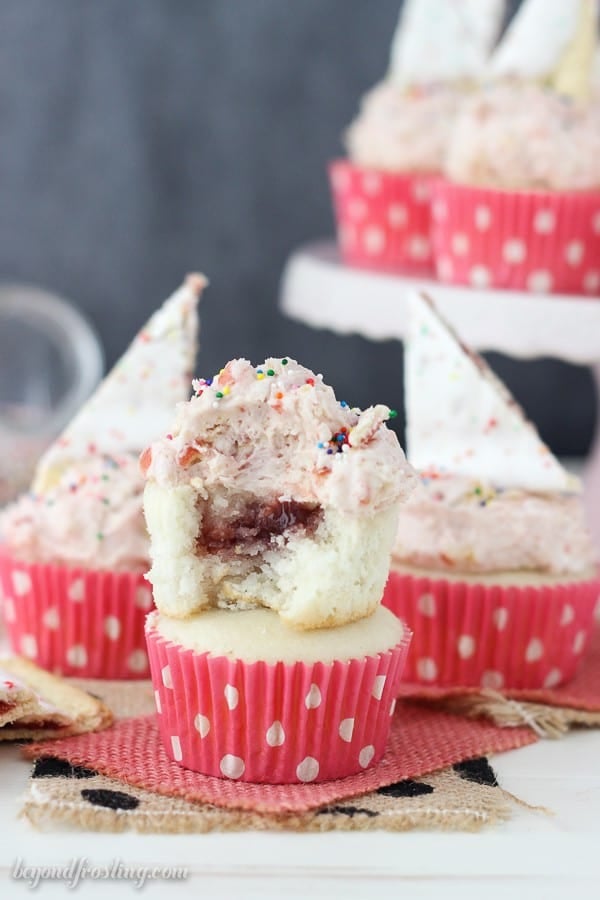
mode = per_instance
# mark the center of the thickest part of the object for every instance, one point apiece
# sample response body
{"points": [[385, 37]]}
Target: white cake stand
{"points": [[321, 291]]}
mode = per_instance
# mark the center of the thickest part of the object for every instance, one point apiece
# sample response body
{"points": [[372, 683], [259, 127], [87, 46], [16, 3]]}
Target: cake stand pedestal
{"points": [[320, 290]]}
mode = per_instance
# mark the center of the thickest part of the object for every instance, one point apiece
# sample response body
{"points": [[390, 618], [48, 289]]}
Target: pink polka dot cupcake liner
{"points": [[273, 723], [544, 242], [493, 636], [383, 218], [76, 622]]}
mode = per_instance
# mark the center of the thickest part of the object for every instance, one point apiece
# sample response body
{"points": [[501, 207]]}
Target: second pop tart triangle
{"points": [[462, 420], [134, 403]]}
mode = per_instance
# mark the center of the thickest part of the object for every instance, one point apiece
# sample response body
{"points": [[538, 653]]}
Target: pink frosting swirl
{"points": [[452, 525], [93, 518], [404, 130], [523, 136]]}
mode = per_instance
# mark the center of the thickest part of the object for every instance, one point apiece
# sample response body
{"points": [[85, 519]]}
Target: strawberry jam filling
{"points": [[257, 524]]}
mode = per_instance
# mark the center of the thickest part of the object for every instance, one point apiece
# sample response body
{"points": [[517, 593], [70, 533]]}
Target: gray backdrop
{"points": [[140, 139]]}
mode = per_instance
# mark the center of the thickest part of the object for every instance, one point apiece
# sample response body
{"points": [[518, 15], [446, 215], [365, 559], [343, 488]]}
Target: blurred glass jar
{"points": [[50, 361]]}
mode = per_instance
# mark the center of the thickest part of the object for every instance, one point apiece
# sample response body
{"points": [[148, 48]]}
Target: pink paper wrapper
{"points": [[275, 724], [383, 218], [492, 636], [75, 621], [540, 241]]}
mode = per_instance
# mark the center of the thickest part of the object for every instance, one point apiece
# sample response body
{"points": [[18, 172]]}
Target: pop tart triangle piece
{"points": [[462, 420], [134, 403], [447, 42], [553, 42]]}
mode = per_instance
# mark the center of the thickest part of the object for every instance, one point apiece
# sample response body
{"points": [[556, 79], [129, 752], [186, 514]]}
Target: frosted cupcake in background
{"points": [[399, 140], [520, 207], [493, 566], [74, 550], [272, 509]]}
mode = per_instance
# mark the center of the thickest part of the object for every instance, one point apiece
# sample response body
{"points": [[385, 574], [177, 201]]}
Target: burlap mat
{"points": [[421, 740], [464, 798]]}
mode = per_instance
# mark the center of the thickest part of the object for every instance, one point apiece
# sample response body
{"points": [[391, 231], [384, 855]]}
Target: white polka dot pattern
{"points": [[544, 221], [167, 679], [346, 729], [445, 268], [427, 669], [374, 238], [574, 252], [157, 702], [51, 618], [483, 217], [500, 618], [439, 211], [534, 651], [176, 748], [77, 590], [29, 646], [232, 696], [492, 680], [553, 678], [479, 276], [308, 769], [466, 646], [21, 582], [275, 735], [371, 183], [9, 610], [366, 755], [514, 251], [357, 208], [112, 628], [567, 615], [77, 656], [460, 244], [397, 215], [313, 698], [378, 686], [232, 766], [426, 605], [137, 662], [418, 247], [143, 597], [202, 725], [539, 281]]}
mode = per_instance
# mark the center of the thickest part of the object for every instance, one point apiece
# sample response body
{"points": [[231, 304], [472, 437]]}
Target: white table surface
{"points": [[547, 855]]}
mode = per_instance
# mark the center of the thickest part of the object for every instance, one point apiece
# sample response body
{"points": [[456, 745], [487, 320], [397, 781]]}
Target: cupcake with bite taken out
{"points": [[272, 509], [74, 549], [398, 142], [493, 567]]}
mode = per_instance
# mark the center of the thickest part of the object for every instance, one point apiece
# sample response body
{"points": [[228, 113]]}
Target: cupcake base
{"points": [[494, 636], [538, 241], [76, 622], [280, 723], [383, 218]]}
